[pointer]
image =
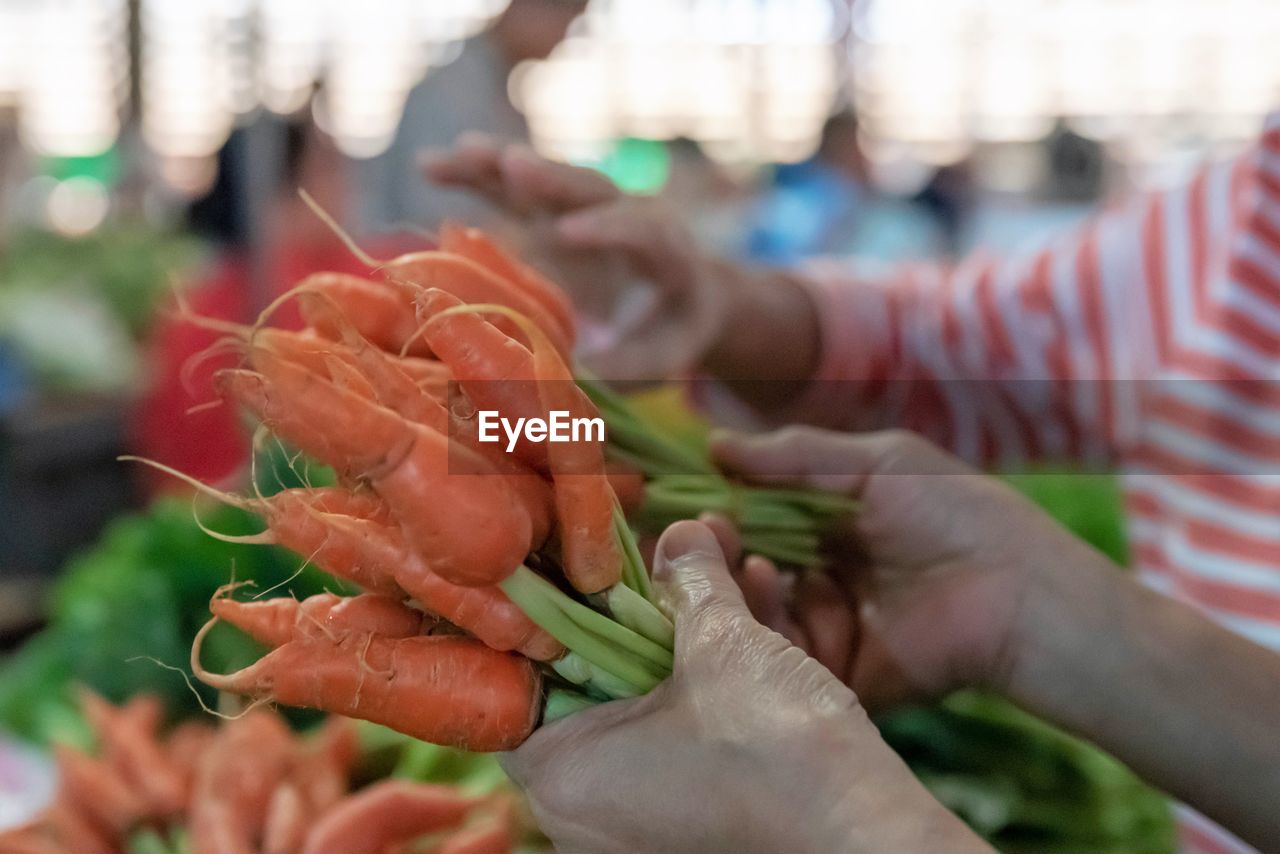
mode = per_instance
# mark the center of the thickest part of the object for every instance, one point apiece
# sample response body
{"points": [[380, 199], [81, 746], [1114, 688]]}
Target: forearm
{"points": [[1191, 707], [769, 343]]}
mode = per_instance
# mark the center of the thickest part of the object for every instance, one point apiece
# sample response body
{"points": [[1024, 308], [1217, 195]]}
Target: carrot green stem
{"points": [[612, 650], [634, 573], [640, 615], [603, 682], [572, 667], [576, 669], [562, 702], [657, 657], [654, 452]]}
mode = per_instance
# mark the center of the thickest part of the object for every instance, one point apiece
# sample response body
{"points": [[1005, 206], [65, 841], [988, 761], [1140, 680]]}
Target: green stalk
{"points": [[634, 573], [640, 615], [561, 703], [611, 686], [525, 588], [656, 657], [576, 669], [572, 667], [627, 430]]}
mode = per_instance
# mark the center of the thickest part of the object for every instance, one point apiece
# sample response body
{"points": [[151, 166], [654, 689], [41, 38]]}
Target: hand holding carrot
{"points": [[955, 580], [750, 746], [925, 594]]}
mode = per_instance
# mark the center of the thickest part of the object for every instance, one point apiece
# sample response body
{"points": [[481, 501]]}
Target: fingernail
{"points": [[682, 544]]}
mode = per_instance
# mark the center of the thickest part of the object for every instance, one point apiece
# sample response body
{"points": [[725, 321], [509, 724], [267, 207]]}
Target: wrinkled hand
{"points": [[750, 746], [626, 261], [925, 595]]}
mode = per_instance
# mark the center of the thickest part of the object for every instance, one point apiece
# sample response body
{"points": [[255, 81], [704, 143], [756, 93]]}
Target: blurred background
{"points": [[150, 152]]}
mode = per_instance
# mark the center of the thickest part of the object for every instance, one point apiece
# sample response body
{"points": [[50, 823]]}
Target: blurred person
{"points": [[177, 420], [827, 205], [952, 580], [1147, 340], [1074, 180], [949, 196], [467, 95]]}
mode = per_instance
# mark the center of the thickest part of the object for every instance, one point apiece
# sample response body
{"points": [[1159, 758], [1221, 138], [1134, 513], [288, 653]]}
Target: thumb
{"points": [[690, 568], [821, 459]]}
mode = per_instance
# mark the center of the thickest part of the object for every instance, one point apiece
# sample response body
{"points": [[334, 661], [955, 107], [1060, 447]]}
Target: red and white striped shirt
{"points": [[1148, 340]]}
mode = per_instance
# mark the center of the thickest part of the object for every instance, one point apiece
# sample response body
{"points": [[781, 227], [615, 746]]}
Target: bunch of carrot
{"points": [[248, 786], [499, 588], [503, 586]]}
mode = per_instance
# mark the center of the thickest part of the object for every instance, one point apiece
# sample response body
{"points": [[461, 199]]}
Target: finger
{"points": [[877, 678], [767, 593], [471, 164], [658, 248], [726, 535], [694, 579], [836, 462], [764, 591], [828, 620], [536, 183]]}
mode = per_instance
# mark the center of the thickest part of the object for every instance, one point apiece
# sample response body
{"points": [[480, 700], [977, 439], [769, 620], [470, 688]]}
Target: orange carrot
{"points": [[295, 521], [484, 250], [334, 499], [306, 348], [323, 772], [590, 551], [390, 386], [74, 831], [484, 612], [494, 370], [98, 790], [131, 747], [382, 313], [488, 838], [234, 784], [387, 813], [479, 535], [185, 747], [472, 283], [278, 621], [285, 827], [145, 712], [447, 690], [29, 840]]}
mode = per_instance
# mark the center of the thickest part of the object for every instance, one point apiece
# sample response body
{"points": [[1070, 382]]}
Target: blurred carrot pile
{"points": [[248, 785]]}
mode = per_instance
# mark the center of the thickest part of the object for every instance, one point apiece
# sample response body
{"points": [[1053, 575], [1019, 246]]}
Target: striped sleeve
{"points": [[1003, 361]]}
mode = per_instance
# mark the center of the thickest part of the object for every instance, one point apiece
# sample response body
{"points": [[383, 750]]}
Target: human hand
{"points": [[750, 746], [627, 261], [927, 593]]}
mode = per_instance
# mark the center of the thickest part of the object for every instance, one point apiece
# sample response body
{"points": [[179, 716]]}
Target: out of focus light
{"points": [[189, 176], [77, 206], [364, 56], [935, 76], [206, 63], [192, 74], [751, 80], [69, 61]]}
